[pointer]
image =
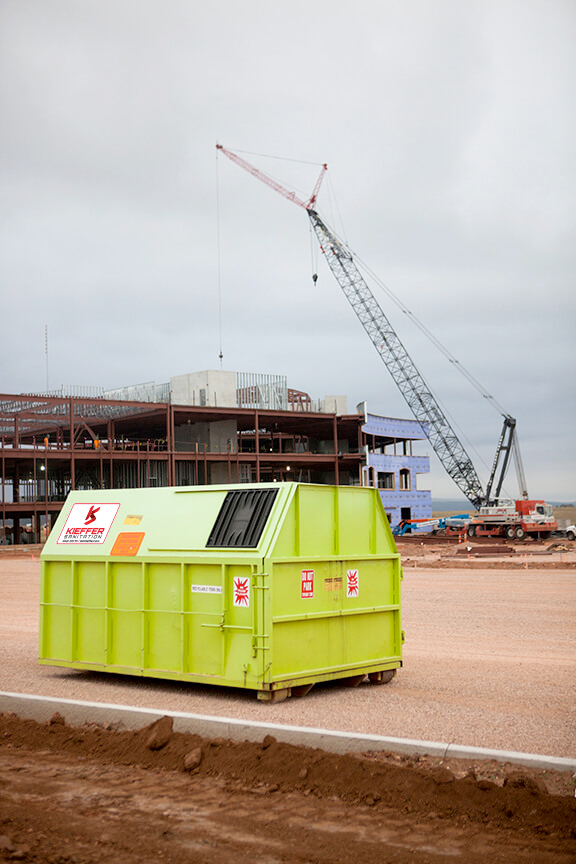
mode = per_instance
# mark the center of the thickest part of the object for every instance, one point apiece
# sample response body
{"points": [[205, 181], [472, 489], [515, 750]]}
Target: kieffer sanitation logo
{"points": [[241, 591], [88, 523], [91, 517]]}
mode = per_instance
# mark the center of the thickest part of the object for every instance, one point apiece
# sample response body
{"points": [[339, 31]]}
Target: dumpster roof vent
{"points": [[242, 518]]}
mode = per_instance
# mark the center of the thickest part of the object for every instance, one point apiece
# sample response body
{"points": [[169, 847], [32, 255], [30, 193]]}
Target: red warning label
{"points": [[241, 591], [352, 583], [307, 583]]}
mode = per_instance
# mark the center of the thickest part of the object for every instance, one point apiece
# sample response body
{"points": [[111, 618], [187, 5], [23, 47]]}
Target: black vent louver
{"points": [[242, 518]]}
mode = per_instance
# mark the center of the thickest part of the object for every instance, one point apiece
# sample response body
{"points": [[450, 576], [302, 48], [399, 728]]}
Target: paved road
{"points": [[489, 661]]}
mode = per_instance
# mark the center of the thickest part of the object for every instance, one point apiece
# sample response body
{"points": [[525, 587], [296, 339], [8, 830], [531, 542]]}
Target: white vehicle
{"points": [[571, 532], [514, 519]]}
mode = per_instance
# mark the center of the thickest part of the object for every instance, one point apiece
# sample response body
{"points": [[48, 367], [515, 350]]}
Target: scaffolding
{"points": [[262, 392], [147, 392]]}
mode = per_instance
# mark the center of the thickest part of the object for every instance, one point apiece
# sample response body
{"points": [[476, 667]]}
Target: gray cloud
{"points": [[449, 132]]}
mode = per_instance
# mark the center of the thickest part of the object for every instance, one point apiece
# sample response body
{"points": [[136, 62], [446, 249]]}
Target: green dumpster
{"points": [[271, 587]]}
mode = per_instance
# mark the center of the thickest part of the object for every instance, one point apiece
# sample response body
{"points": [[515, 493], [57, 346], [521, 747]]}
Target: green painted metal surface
{"points": [[268, 586]]}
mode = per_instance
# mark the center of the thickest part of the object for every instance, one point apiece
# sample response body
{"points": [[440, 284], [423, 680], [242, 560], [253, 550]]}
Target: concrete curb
{"points": [[41, 709]]}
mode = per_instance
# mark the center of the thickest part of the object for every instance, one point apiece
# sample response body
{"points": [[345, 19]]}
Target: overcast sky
{"points": [[449, 132]]}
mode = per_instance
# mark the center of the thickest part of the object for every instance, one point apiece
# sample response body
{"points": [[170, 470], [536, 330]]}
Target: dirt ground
{"points": [[93, 794], [87, 795], [487, 553]]}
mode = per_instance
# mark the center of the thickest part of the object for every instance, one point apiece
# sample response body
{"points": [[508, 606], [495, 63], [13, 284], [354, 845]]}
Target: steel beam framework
{"points": [[51, 445]]}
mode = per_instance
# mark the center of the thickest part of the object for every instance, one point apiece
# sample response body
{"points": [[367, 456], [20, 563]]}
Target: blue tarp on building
{"points": [[393, 468]]}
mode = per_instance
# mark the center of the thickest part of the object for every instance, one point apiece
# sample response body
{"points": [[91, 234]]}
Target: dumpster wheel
{"points": [[382, 677]]}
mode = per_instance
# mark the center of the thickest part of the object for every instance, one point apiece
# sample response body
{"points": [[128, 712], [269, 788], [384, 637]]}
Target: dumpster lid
{"points": [[242, 518]]}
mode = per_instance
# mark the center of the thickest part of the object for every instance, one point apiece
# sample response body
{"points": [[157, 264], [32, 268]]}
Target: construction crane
{"points": [[410, 382], [507, 444]]}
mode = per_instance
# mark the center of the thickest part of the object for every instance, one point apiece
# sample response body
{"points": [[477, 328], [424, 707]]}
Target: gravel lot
{"points": [[489, 661]]}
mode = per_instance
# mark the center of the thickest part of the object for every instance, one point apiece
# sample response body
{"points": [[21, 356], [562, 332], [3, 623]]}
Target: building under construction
{"points": [[201, 428]]}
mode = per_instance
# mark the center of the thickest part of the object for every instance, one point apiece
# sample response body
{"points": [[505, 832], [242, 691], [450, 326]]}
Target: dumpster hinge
{"points": [[259, 587], [255, 647]]}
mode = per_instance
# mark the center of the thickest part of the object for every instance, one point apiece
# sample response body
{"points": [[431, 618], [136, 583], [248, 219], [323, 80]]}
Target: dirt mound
{"points": [[90, 794]]}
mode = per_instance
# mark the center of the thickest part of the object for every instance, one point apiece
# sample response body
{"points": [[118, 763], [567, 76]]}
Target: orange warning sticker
{"points": [[127, 543]]}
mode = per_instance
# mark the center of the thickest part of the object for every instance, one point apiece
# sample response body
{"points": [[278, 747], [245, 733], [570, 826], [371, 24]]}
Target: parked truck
{"points": [[513, 519]]}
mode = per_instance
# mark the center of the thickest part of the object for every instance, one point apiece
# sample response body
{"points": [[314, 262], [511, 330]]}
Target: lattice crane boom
{"points": [[269, 181], [408, 379]]}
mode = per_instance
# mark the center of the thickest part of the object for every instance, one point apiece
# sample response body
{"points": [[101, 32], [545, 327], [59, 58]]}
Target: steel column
{"points": [[335, 434]]}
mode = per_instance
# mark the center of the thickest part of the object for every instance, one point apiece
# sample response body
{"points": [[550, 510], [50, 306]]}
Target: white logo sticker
{"points": [[88, 523]]}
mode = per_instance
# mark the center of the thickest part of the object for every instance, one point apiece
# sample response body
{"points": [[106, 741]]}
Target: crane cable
{"points": [[435, 341], [333, 203], [335, 206], [443, 350], [313, 254], [220, 353], [313, 244], [449, 356], [429, 335], [280, 158]]}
